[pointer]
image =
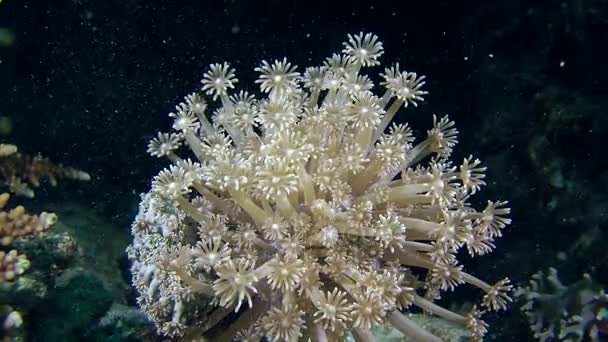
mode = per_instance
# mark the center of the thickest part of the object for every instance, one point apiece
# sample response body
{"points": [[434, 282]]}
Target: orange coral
{"points": [[18, 171]]}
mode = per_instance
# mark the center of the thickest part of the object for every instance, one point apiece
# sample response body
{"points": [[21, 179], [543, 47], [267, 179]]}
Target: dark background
{"points": [[88, 83]]}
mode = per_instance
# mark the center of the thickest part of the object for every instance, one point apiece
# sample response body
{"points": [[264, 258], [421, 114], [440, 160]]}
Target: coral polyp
{"points": [[306, 212]]}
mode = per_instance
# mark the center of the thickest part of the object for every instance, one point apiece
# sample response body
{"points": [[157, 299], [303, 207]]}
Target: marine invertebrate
{"points": [[16, 223], [573, 312], [305, 213], [18, 171]]}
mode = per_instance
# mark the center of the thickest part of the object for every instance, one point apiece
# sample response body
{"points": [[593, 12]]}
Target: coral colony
{"points": [[17, 173], [302, 214]]}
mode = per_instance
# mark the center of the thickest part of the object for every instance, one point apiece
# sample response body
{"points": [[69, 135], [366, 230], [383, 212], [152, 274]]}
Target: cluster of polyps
{"points": [[305, 212]]}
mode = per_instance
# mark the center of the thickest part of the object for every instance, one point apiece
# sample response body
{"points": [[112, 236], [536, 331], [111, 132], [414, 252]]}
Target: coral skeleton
{"points": [[303, 213]]}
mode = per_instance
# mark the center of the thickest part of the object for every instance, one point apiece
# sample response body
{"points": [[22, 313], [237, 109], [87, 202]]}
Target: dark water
{"points": [[88, 83]]}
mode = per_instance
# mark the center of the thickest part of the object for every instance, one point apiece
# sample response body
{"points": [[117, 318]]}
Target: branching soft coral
{"points": [[306, 212]]}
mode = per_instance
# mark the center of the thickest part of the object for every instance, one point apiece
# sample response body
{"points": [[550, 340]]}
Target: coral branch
{"points": [[18, 171]]}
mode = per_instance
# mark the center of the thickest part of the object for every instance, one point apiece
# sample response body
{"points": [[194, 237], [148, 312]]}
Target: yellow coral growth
{"points": [[16, 223], [18, 171], [12, 265], [7, 150]]}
